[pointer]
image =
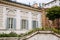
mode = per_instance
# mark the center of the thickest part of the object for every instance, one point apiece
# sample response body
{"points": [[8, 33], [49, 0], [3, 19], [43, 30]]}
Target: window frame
{"points": [[11, 23], [24, 24]]}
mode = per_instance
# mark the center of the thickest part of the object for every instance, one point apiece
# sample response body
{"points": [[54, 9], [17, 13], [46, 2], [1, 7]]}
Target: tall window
{"points": [[59, 3], [34, 24], [11, 23], [24, 24]]}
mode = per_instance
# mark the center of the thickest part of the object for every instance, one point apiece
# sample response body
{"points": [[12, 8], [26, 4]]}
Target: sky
{"points": [[33, 1]]}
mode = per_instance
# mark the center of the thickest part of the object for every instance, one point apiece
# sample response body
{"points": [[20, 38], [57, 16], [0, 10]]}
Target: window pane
{"points": [[34, 24], [11, 23], [24, 24], [14, 23], [27, 24], [37, 23], [7, 24]]}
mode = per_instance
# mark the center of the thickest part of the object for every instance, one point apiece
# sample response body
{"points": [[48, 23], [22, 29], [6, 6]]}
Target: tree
{"points": [[53, 13]]}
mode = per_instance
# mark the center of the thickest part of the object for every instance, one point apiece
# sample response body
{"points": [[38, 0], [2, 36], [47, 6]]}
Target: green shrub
{"points": [[21, 35], [3, 35], [12, 34], [9, 35], [56, 30], [32, 31]]}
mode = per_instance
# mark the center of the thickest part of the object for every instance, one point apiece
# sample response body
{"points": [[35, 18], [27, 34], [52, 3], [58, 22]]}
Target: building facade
{"points": [[51, 4], [19, 18]]}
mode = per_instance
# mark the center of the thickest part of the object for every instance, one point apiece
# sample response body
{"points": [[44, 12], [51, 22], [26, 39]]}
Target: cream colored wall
{"points": [[19, 14], [1, 17]]}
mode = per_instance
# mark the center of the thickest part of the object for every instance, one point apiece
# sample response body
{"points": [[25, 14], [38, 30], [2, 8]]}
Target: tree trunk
{"points": [[52, 23], [58, 22]]}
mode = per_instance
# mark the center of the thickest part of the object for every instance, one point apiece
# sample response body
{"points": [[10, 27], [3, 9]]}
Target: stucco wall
{"points": [[8, 11]]}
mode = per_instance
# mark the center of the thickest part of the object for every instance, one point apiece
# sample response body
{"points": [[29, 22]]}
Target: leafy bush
{"points": [[9, 35], [12, 34], [32, 31], [56, 30], [3, 35], [21, 35]]}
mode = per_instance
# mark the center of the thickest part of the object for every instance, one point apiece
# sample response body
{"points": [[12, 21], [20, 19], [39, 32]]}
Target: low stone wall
{"points": [[9, 38], [42, 35]]}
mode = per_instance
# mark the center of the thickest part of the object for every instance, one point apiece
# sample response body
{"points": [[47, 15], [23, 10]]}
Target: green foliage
{"points": [[53, 13], [8, 35], [32, 31], [56, 30], [21, 35], [12, 34], [3, 35]]}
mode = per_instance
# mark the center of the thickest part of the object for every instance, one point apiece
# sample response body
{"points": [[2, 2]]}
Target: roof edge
{"points": [[20, 6]]}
